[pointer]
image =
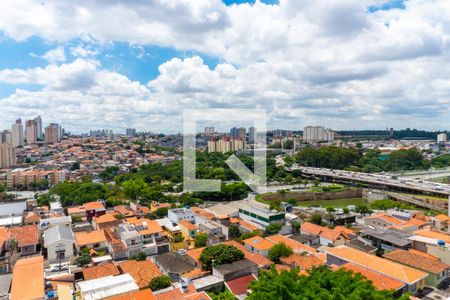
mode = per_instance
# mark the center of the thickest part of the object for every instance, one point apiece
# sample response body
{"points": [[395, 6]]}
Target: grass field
{"points": [[337, 203]]}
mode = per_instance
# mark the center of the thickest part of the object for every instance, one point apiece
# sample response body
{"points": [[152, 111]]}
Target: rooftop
{"points": [[380, 281], [24, 288], [296, 246], [100, 271], [417, 261], [378, 264], [141, 271], [90, 237], [25, 235], [259, 243], [239, 286]]}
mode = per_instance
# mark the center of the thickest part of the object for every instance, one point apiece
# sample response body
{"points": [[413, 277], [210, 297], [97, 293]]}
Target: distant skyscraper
{"points": [[234, 132], [38, 121], [242, 133], [251, 135], [209, 130], [31, 131], [17, 134], [131, 132], [442, 138], [7, 156], [52, 133]]}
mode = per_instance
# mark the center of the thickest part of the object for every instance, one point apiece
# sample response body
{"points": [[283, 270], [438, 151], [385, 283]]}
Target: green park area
{"points": [[336, 203]]}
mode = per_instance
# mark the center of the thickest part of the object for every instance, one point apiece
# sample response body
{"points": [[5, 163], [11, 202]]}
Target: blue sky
{"points": [[293, 58]]}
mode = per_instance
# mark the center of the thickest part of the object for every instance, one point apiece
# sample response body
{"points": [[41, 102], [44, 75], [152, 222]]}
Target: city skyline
{"points": [[383, 67]]}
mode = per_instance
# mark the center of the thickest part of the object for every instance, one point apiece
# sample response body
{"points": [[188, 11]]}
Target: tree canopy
{"points": [[278, 251], [221, 254], [321, 283]]}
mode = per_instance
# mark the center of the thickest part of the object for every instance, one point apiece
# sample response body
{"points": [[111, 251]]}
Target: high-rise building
{"points": [[31, 131], [225, 145], [38, 121], [52, 133], [251, 135], [442, 138], [315, 134], [131, 131], [6, 137], [241, 133], [209, 130], [17, 134], [234, 133], [7, 156]]}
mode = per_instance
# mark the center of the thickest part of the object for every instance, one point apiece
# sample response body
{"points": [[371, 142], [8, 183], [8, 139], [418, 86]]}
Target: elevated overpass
{"points": [[393, 182]]}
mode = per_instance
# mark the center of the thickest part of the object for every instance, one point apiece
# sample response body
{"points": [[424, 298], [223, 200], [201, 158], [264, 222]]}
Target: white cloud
{"points": [[305, 61]]}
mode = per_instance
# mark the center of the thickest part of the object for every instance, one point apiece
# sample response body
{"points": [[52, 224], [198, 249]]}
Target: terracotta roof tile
{"points": [[4, 235], [89, 237], [259, 243], [380, 281], [311, 228], [99, 271], [187, 225], [141, 271], [417, 261], [442, 218], [24, 235], [145, 294], [304, 262], [439, 235], [24, 270], [239, 286], [297, 247], [255, 258]]}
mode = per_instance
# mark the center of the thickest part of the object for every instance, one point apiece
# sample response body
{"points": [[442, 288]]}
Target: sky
{"points": [[114, 64]]}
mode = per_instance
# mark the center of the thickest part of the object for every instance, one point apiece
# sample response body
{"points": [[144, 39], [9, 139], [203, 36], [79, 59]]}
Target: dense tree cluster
{"points": [[160, 282], [220, 254], [320, 283]]}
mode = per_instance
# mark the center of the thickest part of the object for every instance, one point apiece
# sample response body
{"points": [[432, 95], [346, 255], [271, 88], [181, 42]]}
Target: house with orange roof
{"points": [[380, 281], [124, 211], [441, 222], [5, 266], [145, 294], [141, 271], [432, 241], [326, 235], [27, 239], [258, 245], [188, 230], [412, 278], [90, 239], [382, 220], [31, 218], [297, 247], [261, 261], [28, 279], [186, 293], [152, 235], [103, 270], [105, 221], [239, 287], [437, 270], [304, 262]]}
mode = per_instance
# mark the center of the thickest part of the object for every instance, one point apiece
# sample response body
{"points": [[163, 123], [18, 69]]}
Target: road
{"points": [[379, 180]]}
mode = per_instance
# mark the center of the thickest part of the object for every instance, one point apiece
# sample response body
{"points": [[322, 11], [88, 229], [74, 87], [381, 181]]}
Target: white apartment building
{"points": [[442, 138], [314, 134], [17, 134]]}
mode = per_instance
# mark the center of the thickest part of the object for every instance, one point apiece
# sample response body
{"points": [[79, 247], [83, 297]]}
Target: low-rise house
{"points": [[258, 245], [361, 244], [100, 271], [105, 221], [146, 294], [235, 270], [296, 246], [188, 230], [152, 235], [59, 242], [239, 287], [28, 279], [105, 287], [184, 293], [27, 239], [437, 270], [30, 218], [303, 262], [436, 243], [261, 261], [177, 214], [57, 221], [326, 235], [379, 280], [91, 239], [129, 235], [142, 271], [382, 220], [412, 278], [385, 238], [124, 211], [174, 264], [441, 222]]}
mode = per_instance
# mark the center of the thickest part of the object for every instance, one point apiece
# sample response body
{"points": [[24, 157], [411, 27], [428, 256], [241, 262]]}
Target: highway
{"points": [[403, 183]]}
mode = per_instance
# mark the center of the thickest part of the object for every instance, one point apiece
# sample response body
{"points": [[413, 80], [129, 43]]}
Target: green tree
{"points": [[225, 295], [278, 251], [272, 228], [320, 283], [362, 209], [200, 239], [140, 256], [220, 254], [134, 188], [160, 282], [316, 219], [233, 231], [161, 212], [83, 260], [295, 226]]}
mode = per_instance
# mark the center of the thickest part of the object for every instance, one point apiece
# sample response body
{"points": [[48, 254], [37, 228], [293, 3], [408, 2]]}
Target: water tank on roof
{"points": [[441, 243]]}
